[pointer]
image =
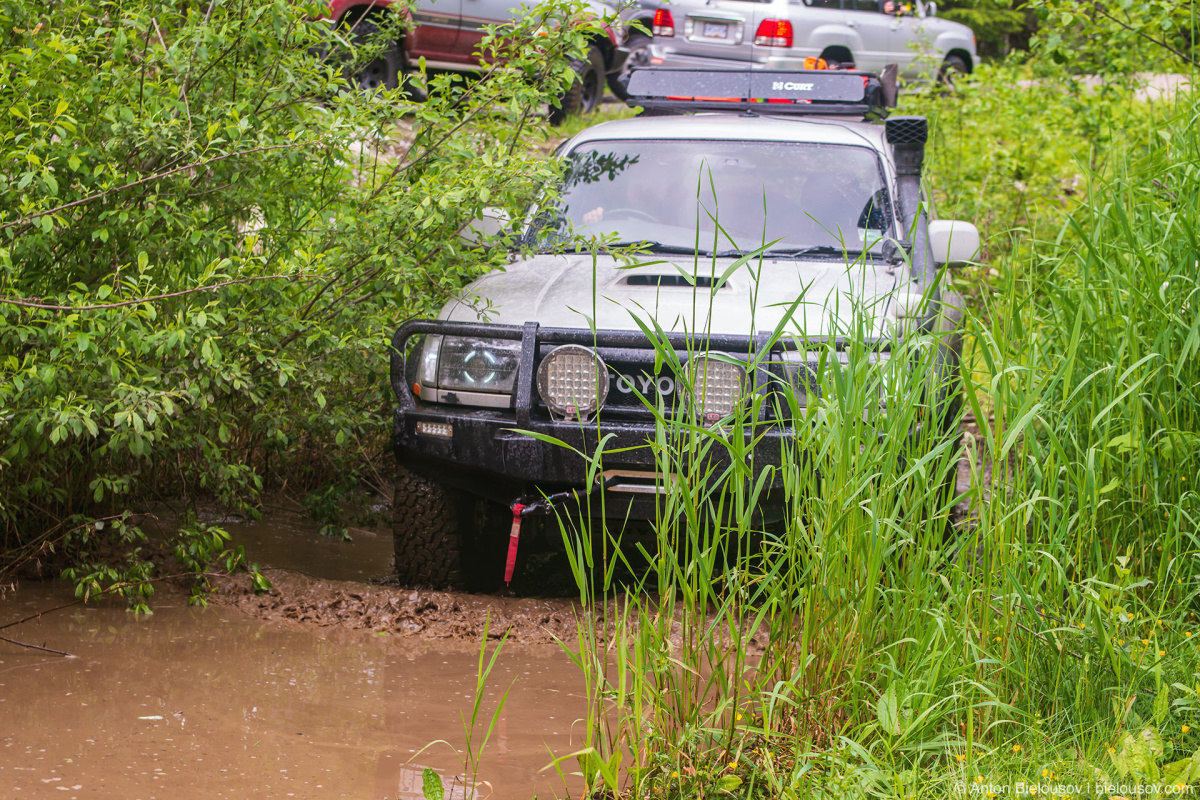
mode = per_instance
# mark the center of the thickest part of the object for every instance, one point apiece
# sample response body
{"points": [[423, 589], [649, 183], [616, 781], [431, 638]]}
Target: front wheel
{"points": [[444, 538]]}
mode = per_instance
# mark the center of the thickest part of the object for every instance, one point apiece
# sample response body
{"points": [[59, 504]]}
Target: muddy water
{"points": [[236, 701], [289, 541]]}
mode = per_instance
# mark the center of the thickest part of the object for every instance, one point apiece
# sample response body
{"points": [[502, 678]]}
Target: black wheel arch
{"points": [[607, 50], [839, 53], [965, 56]]}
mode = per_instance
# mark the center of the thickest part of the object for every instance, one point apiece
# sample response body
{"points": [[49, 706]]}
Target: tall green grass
{"points": [[854, 647]]}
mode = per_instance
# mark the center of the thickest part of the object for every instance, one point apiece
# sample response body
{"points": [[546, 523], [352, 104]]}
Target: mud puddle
{"points": [[289, 541], [323, 688]]}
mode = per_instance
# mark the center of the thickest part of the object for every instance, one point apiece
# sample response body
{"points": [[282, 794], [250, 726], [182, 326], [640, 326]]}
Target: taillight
{"points": [[774, 33], [664, 23]]}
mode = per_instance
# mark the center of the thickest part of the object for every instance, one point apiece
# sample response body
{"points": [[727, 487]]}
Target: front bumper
{"points": [[490, 453]]}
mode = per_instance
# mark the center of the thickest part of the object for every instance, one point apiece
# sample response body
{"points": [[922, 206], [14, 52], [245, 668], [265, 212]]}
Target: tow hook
{"points": [[525, 506]]}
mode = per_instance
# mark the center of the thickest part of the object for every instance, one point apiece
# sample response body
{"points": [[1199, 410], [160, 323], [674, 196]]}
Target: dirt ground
{"points": [[297, 598]]}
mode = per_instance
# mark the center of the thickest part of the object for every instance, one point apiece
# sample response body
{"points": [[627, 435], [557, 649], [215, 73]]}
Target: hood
{"points": [[557, 291]]}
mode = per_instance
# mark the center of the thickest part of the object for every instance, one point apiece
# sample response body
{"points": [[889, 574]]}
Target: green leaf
{"points": [[1162, 704], [431, 785], [1123, 443], [887, 711], [728, 783]]}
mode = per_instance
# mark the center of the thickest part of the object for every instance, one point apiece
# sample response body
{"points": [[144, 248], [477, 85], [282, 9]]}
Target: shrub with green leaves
{"points": [[206, 238]]}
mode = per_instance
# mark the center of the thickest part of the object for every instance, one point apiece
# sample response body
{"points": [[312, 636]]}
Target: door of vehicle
{"points": [[435, 33], [874, 31], [477, 15], [914, 51], [721, 29]]}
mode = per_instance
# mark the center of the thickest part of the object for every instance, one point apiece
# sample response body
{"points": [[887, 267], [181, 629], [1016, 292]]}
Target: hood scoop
{"points": [[674, 281]]}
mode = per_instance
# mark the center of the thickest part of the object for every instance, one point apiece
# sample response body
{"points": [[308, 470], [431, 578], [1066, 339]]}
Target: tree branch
{"points": [[151, 299], [147, 179], [1148, 37], [38, 647]]}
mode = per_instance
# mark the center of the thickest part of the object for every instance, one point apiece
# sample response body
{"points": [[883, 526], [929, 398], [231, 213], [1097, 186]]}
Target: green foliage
{"points": [[994, 22], [431, 785], [205, 239], [324, 505], [1114, 37], [1049, 639]]}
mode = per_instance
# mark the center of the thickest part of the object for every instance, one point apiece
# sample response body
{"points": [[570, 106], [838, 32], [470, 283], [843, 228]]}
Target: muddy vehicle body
{"points": [[561, 350], [448, 33]]}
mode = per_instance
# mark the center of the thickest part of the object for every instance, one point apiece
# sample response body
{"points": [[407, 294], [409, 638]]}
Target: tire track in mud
{"points": [[300, 599]]}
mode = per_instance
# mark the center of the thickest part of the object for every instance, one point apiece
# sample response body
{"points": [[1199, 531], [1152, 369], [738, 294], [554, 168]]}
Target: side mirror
{"points": [[953, 242], [931, 9], [492, 223]]}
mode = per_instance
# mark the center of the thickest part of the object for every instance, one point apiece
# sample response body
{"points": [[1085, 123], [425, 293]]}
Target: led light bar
{"points": [[818, 91], [443, 429], [717, 386], [573, 381]]}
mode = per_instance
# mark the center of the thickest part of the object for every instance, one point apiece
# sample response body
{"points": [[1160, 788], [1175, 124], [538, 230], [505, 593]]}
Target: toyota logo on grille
{"points": [[662, 385]]}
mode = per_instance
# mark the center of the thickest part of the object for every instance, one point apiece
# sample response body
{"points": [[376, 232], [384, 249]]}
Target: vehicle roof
{"points": [[734, 127]]}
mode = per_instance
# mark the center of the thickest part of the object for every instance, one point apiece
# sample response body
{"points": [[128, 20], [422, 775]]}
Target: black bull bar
{"points": [[488, 453]]}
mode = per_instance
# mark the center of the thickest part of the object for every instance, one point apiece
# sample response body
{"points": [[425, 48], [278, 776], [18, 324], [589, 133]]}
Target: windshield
{"points": [[675, 194]]}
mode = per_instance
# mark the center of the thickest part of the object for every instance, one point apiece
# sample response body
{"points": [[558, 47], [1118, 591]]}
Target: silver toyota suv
{"points": [[782, 34], [750, 191]]}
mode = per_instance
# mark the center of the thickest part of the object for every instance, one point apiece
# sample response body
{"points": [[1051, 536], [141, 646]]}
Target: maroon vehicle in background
{"points": [[447, 34]]}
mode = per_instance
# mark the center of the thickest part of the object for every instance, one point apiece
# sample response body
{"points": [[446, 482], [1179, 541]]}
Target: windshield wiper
{"points": [[675, 249], [817, 250]]}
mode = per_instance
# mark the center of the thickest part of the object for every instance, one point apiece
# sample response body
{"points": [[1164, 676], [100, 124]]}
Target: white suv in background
{"points": [[781, 34]]}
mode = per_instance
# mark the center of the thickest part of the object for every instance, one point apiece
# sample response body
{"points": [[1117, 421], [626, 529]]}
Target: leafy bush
{"points": [[205, 240]]}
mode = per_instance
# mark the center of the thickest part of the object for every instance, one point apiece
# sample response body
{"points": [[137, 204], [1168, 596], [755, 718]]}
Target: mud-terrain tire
{"points": [[586, 92], [427, 532], [383, 72], [638, 46]]}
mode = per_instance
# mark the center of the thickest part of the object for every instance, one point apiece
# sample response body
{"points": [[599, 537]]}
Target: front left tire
{"points": [[445, 538]]}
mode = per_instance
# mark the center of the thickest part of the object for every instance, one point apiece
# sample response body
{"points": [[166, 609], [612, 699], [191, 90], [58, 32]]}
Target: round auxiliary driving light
{"points": [[573, 381], [716, 387]]}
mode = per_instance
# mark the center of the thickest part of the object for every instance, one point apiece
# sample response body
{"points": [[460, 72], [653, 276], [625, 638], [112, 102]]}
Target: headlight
{"points": [[478, 365], [466, 370], [573, 381], [717, 386]]}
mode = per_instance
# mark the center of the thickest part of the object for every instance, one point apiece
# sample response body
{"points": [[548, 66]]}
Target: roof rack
{"points": [[675, 90]]}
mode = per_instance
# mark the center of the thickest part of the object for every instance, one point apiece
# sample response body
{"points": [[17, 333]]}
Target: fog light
{"points": [[717, 386], [573, 381], [443, 429]]}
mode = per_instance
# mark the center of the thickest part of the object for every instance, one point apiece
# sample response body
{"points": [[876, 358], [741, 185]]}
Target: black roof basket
{"points": [[677, 90]]}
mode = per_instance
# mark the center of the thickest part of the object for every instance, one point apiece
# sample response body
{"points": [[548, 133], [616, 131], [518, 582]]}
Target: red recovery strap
{"points": [[513, 537]]}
